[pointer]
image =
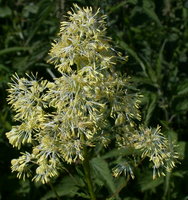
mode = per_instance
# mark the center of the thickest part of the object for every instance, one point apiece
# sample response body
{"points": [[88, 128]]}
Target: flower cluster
{"points": [[89, 103], [146, 143]]}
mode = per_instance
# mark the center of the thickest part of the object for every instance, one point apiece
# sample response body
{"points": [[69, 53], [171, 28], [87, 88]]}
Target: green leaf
{"points": [[142, 80], [148, 8], [147, 183], [14, 49], [67, 187], [119, 5], [160, 60], [152, 75], [182, 106], [152, 102], [181, 149], [179, 173], [134, 54], [45, 7], [172, 135], [118, 152], [5, 11], [182, 88], [102, 172], [24, 189], [4, 68], [30, 8]]}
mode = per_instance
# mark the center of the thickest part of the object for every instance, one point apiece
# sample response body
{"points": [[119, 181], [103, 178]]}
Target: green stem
{"points": [[120, 188], [166, 195], [55, 192], [86, 167]]}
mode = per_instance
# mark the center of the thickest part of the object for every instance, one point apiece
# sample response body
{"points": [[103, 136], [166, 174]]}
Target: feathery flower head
{"points": [[89, 104]]}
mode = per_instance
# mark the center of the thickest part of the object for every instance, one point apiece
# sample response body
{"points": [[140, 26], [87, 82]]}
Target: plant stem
{"points": [[120, 188], [86, 167], [55, 192], [166, 194]]}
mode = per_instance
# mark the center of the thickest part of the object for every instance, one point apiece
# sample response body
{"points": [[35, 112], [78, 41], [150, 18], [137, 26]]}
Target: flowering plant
{"points": [[90, 104]]}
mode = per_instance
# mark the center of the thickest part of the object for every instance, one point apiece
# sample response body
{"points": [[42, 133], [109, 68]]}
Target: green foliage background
{"points": [[153, 33]]}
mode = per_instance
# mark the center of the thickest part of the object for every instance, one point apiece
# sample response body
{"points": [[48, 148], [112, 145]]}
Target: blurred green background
{"points": [[153, 33]]}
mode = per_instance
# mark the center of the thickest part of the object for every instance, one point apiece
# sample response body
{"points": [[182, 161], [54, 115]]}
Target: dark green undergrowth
{"points": [[154, 36]]}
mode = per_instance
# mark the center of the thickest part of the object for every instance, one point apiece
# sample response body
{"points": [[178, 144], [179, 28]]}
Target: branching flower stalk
{"points": [[90, 103]]}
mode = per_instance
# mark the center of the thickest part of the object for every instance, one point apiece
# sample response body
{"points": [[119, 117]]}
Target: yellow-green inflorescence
{"points": [[89, 103]]}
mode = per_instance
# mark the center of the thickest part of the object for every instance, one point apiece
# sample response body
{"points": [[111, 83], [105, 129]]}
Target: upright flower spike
{"points": [[90, 103]]}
